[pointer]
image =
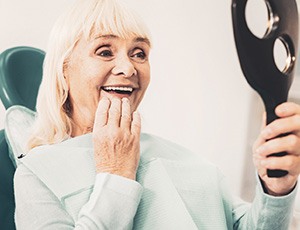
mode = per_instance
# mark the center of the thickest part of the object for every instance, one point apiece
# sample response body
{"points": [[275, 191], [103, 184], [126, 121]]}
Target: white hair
{"points": [[87, 19]]}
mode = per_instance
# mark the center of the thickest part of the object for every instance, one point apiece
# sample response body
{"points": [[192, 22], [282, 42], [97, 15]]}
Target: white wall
{"points": [[27, 23], [198, 96]]}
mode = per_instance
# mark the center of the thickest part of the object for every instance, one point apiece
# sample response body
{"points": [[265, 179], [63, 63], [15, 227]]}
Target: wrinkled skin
{"points": [[117, 138], [267, 143], [109, 61]]}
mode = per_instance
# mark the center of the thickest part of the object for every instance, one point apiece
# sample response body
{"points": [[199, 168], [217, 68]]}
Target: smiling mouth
{"points": [[118, 90]]}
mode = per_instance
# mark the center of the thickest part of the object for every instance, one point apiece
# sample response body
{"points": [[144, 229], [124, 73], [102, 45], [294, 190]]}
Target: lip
{"points": [[119, 85], [115, 94]]}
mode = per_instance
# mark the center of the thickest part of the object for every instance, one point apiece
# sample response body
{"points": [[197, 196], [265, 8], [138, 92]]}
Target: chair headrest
{"points": [[20, 76]]}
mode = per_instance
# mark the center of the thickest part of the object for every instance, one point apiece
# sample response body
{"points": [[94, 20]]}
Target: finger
{"points": [[282, 126], [290, 144], [126, 114], [102, 112], [257, 163], [114, 113], [257, 143], [136, 124], [257, 159], [260, 139], [289, 163], [287, 109]]}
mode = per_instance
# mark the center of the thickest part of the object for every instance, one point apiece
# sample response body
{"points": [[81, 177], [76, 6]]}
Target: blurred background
{"points": [[198, 96]]}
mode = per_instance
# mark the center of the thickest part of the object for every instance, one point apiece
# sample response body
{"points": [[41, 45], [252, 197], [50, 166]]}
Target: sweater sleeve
{"points": [[266, 212], [112, 204]]}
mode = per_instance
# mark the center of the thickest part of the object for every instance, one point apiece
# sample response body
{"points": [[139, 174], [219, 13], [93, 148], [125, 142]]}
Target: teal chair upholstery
{"points": [[7, 204], [20, 78]]}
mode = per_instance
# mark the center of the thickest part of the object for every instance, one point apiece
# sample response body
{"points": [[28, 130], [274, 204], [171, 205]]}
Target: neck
{"points": [[78, 131], [81, 124]]}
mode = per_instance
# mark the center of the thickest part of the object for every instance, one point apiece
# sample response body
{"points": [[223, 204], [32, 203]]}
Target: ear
{"points": [[66, 81]]}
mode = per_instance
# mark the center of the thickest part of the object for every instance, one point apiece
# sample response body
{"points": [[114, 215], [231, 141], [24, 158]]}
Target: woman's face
{"points": [[107, 66]]}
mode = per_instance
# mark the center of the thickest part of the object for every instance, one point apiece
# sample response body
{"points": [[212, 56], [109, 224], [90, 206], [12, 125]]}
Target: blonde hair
{"points": [[87, 18]]}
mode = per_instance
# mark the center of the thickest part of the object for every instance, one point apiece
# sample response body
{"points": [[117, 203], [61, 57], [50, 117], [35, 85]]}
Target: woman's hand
{"points": [[116, 137], [267, 143]]}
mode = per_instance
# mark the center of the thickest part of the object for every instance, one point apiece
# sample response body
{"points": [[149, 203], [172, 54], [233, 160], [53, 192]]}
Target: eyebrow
{"points": [[140, 39], [106, 36], [137, 39]]}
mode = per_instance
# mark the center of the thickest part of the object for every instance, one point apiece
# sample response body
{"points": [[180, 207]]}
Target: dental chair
{"points": [[20, 77]]}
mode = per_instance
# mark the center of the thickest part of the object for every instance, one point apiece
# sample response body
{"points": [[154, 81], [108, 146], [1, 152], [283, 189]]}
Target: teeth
{"points": [[127, 89]]}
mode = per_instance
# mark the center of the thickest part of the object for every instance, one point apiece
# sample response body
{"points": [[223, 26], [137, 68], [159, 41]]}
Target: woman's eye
{"points": [[140, 55], [104, 53]]}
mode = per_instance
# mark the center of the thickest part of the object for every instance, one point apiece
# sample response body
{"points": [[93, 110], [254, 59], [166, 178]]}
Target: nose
{"points": [[124, 66]]}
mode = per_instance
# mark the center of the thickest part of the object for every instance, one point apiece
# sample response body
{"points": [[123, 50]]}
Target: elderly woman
{"points": [[89, 166]]}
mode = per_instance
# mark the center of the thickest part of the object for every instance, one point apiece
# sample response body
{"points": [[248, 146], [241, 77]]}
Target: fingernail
{"points": [[136, 113], [282, 109], [125, 99], [260, 150], [265, 133], [115, 99], [257, 156], [264, 162]]}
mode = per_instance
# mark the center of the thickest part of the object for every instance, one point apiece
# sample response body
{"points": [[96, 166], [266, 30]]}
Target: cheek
{"points": [[87, 76], [96, 72], [145, 77], [80, 85], [146, 83]]}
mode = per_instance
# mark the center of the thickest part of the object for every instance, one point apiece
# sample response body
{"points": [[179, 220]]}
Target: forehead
{"points": [[132, 38]]}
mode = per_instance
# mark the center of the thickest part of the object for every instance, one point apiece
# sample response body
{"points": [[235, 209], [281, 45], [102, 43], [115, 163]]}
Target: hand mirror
{"points": [[256, 55]]}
